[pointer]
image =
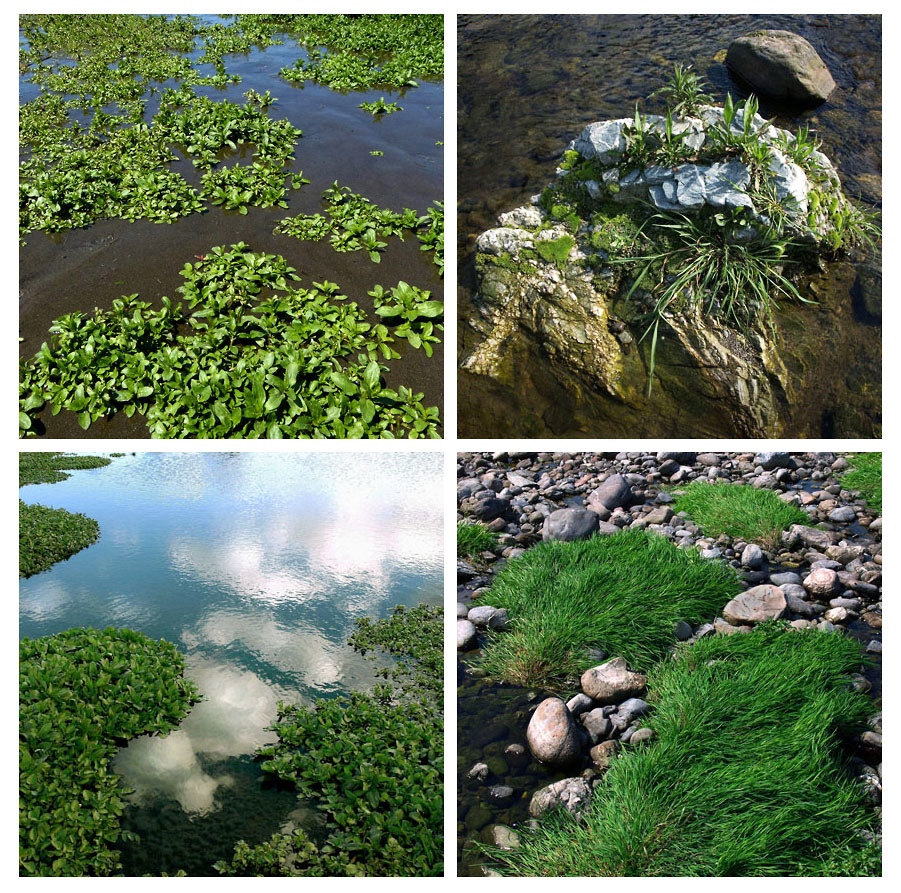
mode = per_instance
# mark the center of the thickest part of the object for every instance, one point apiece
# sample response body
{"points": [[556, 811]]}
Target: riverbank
{"points": [[822, 575]]}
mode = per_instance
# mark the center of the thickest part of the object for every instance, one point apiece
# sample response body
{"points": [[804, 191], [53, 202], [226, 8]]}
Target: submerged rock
{"points": [[571, 794]]}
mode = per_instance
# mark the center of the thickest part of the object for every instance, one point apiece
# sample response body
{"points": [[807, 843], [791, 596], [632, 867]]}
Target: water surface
{"points": [[256, 566]]}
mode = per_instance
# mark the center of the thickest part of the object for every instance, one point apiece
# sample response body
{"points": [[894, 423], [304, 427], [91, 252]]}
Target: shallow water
{"points": [[529, 84], [255, 565], [78, 270]]}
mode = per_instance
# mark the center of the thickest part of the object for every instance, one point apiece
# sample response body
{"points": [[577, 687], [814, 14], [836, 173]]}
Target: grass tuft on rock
{"points": [[745, 777], [865, 475], [473, 538], [622, 594], [739, 511]]}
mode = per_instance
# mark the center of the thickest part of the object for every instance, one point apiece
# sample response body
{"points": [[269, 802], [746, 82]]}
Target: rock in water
{"points": [[552, 734], [782, 65], [572, 794]]}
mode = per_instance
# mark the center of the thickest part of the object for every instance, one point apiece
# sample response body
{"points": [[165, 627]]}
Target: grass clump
{"points": [[865, 475], [81, 693], [745, 777], [371, 763], [739, 511], [473, 538], [566, 598]]}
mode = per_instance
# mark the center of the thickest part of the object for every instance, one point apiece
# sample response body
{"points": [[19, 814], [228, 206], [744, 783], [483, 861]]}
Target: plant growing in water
{"points": [[380, 107]]}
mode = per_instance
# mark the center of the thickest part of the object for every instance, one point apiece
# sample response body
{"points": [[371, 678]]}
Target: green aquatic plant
{"points": [[300, 362], [82, 692], [371, 763], [380, 107], [48, 536], [684, 92], [567, 598], [413, 311], [700, 266], [357, 224], [50, 468], [745, 776], [367, 51], [739, 511]]}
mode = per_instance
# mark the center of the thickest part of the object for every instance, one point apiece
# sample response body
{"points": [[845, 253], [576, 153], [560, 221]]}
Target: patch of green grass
{"points": [[739, 511], [50, 468], [745, 777], [865, 475], [48, 535], [622, 593], [371, 763], [81, 693], [473, 539]]}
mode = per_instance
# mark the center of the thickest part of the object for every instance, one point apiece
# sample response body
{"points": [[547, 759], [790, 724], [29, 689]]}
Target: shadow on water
{"points": [[78, 270], [529, 84]]}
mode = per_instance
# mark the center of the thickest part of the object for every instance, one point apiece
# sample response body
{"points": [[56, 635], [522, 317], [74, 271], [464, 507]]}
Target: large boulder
{"points": [[612, 682], [570, 524], [758, 604], [553, 735], [781, 65]]}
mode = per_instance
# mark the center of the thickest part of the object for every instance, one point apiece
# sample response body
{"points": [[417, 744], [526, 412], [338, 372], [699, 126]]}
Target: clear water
{"points": [[256, 566]]}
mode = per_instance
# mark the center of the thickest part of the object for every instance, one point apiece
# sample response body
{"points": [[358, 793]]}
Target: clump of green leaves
{"points": [[253, 355], [82, 692], [380, 107], [412, 310], [367, 51], [357, 224], [556, 250], [684, 92], [865, 475], [50, 468], [739, 511], [372, 763], [47, 536]]}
